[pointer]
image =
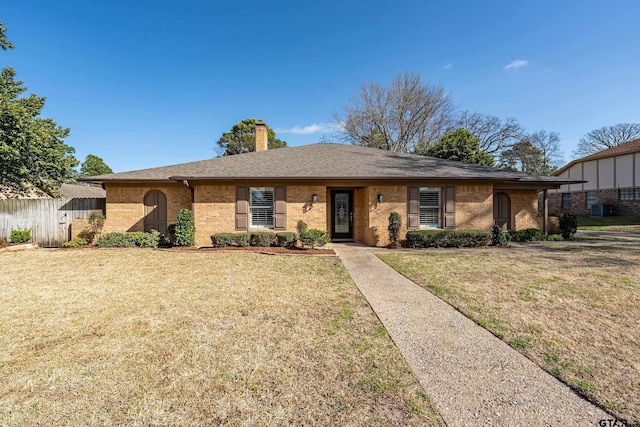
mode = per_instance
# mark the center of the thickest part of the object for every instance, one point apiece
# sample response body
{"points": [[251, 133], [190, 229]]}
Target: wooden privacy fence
{"points": [[49, 219]]}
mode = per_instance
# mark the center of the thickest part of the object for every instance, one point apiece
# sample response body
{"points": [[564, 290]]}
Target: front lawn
{"points": [[571, 307], [153, 337], [625, 224]]}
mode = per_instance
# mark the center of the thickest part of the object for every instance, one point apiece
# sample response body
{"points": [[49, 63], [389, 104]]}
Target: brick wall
{"points": [[394, 200], [608, 197], [474, 207], [125, 204], [524, 209]]}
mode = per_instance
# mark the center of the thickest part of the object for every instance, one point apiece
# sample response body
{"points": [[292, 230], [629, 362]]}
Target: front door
{"points": [[502, 210], [342, 214]]}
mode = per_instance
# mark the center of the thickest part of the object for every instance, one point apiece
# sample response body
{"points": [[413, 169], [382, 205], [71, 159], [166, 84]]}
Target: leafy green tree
{"points": [[33, 154], [4, 43], [459, 145], [93, 166], [242, 139]]}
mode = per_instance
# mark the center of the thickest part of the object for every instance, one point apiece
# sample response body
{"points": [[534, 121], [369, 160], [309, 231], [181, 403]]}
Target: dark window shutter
{"points": [[242, 208], [450, 207], [280, 208], [413, 208]]}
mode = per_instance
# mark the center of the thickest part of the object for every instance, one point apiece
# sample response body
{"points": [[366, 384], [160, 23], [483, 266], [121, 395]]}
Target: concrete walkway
{"points": [[472, 377]]}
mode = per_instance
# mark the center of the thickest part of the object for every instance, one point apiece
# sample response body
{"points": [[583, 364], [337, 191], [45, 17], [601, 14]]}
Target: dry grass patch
{"points": [[573, 308], [148, 337]]}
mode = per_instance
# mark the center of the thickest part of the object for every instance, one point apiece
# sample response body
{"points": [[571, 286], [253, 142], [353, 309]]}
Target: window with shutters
{"points": [[430, 207], [261, 207]]}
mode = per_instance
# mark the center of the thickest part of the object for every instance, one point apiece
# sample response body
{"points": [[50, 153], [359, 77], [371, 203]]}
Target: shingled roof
{"points": [[626, 148], [325, 161]]}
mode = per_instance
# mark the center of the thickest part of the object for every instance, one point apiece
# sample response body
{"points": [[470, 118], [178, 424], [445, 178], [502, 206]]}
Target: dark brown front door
{"points": [[155, 211], [502, 210], [342, 214]]}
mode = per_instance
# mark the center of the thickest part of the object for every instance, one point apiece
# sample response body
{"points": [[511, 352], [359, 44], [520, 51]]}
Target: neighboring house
{"points": [[610, 177], [344, 189]]}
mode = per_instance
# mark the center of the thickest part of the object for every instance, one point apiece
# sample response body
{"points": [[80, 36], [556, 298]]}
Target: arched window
{"points": [[155, 211]]}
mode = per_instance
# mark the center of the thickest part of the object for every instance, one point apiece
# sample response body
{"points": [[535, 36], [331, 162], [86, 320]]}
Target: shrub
{"points": [[182, 232], [555, 237], [568, 226], [447, 238], [129, 240], [222, 240], [395, 222], [527, 235], [262, 238], [20, 235], [74, 243], [287, 240], [498, 236], [311, 236], [314, 237], [96, 220]]}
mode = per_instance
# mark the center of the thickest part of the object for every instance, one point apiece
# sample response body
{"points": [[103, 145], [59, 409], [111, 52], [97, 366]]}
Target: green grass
{"points": [[601, 223]]}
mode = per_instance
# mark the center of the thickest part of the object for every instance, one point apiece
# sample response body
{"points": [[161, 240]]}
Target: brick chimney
{"points": [[261, 136]]}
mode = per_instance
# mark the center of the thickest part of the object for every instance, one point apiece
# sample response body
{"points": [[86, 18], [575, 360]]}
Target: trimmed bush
{"points": [[129, 240], [447, 238], [222, 240], [182, 232], [498, 236], [527, 235], [286, 240], [20, 235], [262, 239], [555, 238], [311, 237], [395, 222], [568, 226], [74, 243]]}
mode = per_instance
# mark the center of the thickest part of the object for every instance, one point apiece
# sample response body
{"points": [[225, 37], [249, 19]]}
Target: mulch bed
{"points": [[253, 249]]}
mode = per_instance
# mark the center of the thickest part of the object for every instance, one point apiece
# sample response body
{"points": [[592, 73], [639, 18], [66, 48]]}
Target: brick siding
{"points": [[608, 197]]}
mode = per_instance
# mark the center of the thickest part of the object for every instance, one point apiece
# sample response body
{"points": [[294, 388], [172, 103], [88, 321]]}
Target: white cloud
{"points": [[448, 66], [518, 63], [306, 130]]}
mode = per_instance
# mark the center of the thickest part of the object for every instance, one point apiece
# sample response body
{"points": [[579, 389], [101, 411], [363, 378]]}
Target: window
{"points": [[637, 191], [566, 201], [261, 207], [625, 194], [590, 199], [430, 207]]}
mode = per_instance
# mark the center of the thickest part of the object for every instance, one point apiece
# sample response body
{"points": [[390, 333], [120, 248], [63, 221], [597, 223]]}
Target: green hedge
{"points": [[256, 238], [129, 240], [287, 240], [222, 240], [262, 238], [527, 235], [447, 238]]}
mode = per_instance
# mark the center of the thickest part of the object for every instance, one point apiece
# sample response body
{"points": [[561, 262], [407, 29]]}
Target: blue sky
{"points": [[152, 83]]}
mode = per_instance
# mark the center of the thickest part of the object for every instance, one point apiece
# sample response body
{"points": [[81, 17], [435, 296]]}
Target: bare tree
{"points": [[607, 137], [537, 152], [494, 134], [399, 117]]}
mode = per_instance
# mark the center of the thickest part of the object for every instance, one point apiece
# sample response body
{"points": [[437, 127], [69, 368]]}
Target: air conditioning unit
{"points": [[602, 210]]}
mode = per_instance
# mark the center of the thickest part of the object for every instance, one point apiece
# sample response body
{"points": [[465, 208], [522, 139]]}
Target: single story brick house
{"points": [[610, 177], [344, 189]]}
